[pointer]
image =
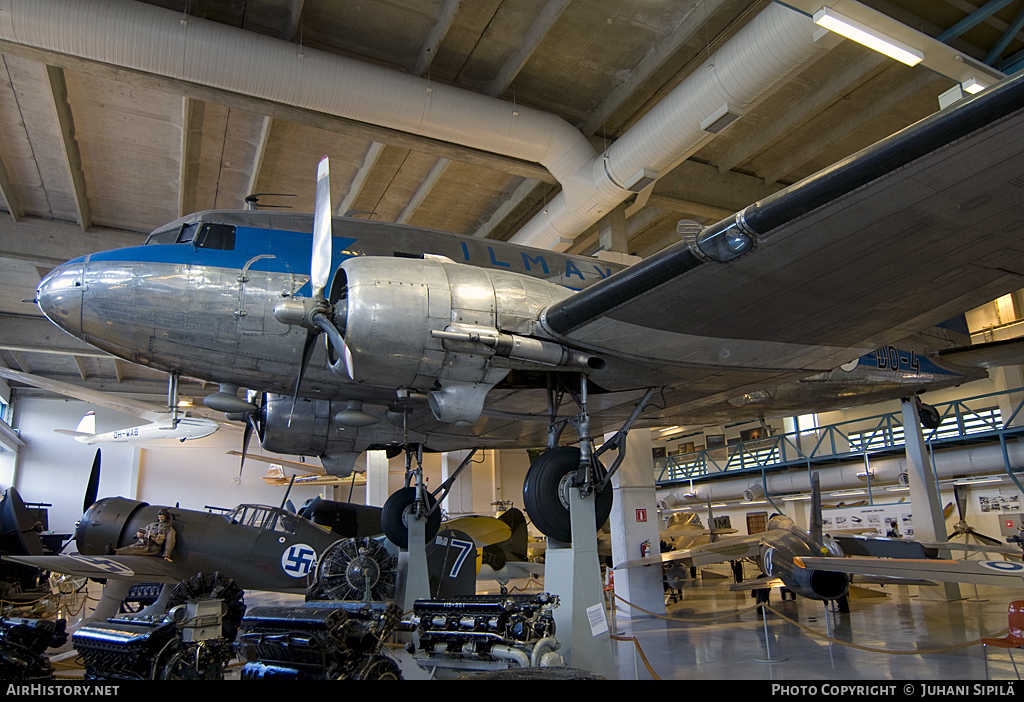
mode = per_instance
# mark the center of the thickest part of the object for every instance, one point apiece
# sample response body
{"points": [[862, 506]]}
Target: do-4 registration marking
{"points": [[889, 357]]}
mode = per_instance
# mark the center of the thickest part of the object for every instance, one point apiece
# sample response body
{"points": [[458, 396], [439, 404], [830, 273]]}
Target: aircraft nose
{"points": [[59, 295]]}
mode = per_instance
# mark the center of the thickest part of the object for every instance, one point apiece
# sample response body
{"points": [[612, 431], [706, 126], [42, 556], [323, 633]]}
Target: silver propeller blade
{"points": [[321, 264]]}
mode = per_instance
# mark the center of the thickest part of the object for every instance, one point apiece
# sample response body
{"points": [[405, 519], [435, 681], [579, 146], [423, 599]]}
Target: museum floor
{"points": [[702, 638], [733, 647]]}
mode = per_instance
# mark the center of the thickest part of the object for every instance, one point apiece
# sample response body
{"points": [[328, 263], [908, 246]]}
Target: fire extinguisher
{"points": [[645, 549]]}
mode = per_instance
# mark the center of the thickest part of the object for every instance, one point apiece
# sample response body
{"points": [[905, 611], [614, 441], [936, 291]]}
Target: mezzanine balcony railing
{"points": [[968, 420]]}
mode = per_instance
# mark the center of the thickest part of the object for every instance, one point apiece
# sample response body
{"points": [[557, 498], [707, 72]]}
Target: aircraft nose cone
{"points": [[59, 296]]}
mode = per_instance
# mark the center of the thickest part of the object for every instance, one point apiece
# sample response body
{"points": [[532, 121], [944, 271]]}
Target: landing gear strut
{"points": [[567, 493], [560, 470]]}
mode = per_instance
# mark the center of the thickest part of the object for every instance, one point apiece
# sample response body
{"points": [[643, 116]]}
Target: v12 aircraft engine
{"points": [[443, 328]]}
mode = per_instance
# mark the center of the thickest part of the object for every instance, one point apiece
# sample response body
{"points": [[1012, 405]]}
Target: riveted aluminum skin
{"points": [[393, 305], [60, 295]]}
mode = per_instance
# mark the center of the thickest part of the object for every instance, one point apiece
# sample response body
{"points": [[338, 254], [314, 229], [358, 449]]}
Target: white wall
{"points": [[54, 468]]}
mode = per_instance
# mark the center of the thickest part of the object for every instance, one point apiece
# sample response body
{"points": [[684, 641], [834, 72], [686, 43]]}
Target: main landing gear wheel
{"points": [[546, 493], [394, 518]]}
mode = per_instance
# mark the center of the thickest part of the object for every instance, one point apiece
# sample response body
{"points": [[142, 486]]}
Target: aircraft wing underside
{"points": [[1002, 573], [732, 549], [136, 568], [896, 238]]}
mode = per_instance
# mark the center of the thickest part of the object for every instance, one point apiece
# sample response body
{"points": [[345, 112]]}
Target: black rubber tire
{"points": [[540, 494], [392, 517]]}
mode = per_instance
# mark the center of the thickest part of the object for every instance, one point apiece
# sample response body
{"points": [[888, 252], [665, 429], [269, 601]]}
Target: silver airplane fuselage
{"points": [[199, 299]]}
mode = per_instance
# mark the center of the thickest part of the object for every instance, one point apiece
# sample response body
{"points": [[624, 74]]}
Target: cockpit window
{"points": [[262, 517], [206, 235], [187, 233], [216, 236], [167, 236]]}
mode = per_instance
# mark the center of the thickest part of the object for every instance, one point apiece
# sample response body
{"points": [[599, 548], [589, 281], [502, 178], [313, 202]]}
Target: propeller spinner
{"points": [[317, 314]]}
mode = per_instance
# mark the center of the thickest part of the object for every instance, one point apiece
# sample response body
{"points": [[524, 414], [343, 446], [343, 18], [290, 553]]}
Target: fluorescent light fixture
{"points": [[862, 34], [972, 86], [756, 502], [899, 489], [847, 493], [978, 481], [720, 504], [793, 498]]}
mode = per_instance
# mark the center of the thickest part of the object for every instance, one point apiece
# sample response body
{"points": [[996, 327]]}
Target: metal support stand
{"points": [[573, 573], [829, 611], [416, 584], [417, 580], [767, 646]]}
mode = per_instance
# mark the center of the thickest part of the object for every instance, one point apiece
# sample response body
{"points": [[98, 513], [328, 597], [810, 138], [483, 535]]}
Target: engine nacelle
{"points": [[112, 522], [444, 328], [314, 431]]}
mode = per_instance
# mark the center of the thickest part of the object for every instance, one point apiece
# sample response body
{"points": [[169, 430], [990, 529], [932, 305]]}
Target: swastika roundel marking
{"points": [[298, 560]]}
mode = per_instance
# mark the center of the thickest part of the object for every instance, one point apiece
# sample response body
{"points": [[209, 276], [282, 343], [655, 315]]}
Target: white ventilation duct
{"points": [[166, 43], [952, 463], [770, 47]]}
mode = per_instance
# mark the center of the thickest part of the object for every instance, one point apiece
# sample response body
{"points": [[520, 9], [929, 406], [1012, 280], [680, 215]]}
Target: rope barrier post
{"points": [[769, 660], [828, 629]]}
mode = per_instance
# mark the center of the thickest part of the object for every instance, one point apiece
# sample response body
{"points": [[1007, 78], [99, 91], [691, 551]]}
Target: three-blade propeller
{"points": [[962, 528], [317, 314]]}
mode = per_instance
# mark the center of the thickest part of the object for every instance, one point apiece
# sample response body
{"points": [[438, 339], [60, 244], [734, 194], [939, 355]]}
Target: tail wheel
{"points": [[546, 493], [394, 518]]}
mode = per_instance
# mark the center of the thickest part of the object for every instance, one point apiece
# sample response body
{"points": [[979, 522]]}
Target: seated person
{"points": [[153, 539]]}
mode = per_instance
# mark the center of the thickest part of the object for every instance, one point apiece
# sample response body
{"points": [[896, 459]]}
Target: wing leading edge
{"points": [[134, 568], [1001, 573]]}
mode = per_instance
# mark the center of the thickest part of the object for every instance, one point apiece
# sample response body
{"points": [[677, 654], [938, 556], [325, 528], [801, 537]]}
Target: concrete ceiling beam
{"points": [[700, 185], [72, 156], [262, 141], [435, 37], [192, 117], [542, 24], [23, 334], [853, 120], [851, 77], [307, 118], [7, 192], [654, 60], [423, 190], [80, 365], [47, 244]]}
